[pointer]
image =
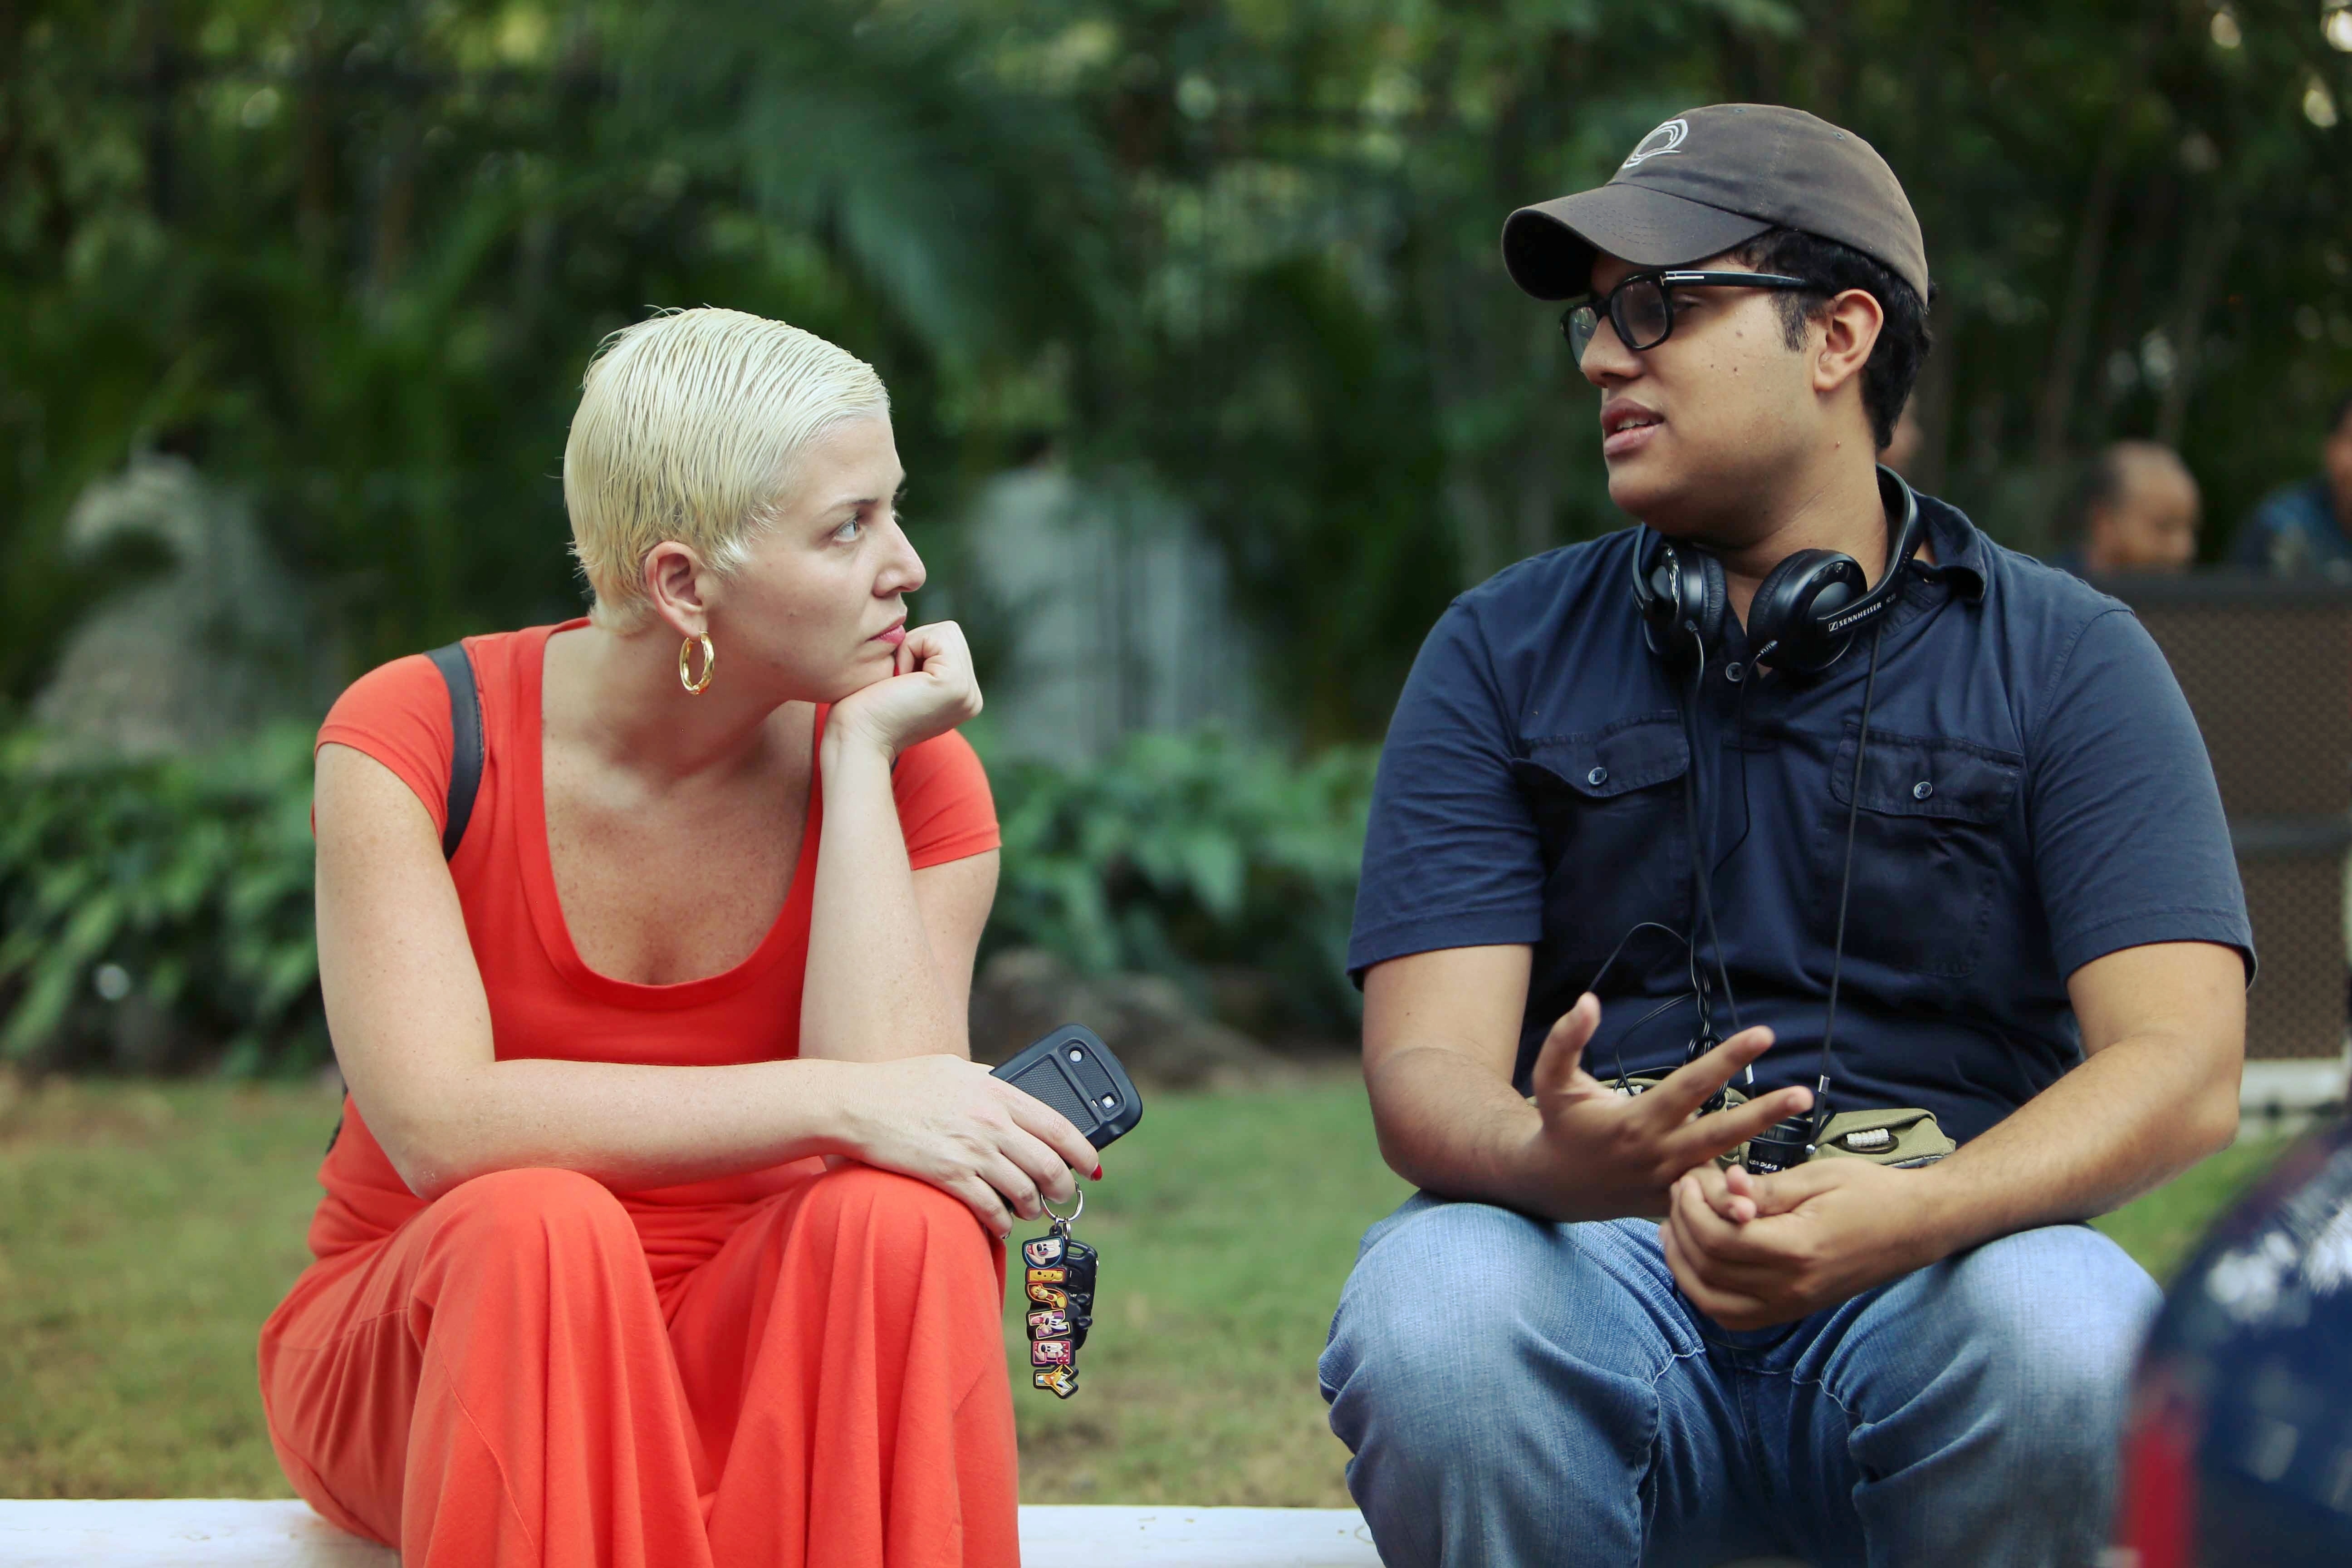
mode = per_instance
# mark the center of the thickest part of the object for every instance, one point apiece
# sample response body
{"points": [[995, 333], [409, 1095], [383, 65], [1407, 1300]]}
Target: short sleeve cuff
{"points": [[416, 771], [959, 847], [2224, 928], [1431, 933]]}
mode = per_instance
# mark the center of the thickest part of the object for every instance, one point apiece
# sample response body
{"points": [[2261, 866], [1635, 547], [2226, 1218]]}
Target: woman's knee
{"points": [[531, 1210], [898, 1214]]}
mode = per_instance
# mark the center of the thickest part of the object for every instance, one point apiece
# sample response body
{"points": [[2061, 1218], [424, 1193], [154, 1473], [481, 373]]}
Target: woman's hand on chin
{"points": [[931, 690], [952, 1123]]}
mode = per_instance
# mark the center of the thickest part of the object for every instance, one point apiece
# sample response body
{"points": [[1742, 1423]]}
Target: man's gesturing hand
{"points": [[1601, 1155], [1753, 1251]]}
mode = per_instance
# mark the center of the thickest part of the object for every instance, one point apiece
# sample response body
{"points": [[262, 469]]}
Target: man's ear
{"points": [[676, 585], [1850, 329]]}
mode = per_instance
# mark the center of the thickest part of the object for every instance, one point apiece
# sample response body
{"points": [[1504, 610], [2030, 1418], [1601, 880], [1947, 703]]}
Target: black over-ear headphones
{"points": [[1807, 612]]}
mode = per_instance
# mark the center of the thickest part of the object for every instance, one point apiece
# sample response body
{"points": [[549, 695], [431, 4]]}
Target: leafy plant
{"points": [[1184, 854], [159, 915], [350, 256]]}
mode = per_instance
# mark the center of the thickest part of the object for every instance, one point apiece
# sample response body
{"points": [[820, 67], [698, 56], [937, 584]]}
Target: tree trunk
{"points": [[314, 201], [163, 100], [1931, 398], [2209, 254], [2054, 422]]}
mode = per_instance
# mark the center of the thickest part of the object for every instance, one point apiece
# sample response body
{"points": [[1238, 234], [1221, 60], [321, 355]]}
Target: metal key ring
{"points": [[1064, 1221]]}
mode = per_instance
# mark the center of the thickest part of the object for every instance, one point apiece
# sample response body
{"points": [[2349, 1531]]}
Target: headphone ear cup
{"points": [[1653, 600], [1781, 612], [1713, 593], [1677, 589]]}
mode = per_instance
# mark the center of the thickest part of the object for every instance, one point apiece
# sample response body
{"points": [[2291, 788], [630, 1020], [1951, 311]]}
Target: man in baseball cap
{"points": [[1803, 759]]}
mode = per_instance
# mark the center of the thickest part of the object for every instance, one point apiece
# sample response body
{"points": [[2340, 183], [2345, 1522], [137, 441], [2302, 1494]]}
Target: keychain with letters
{"points": [[1059, 1281]]}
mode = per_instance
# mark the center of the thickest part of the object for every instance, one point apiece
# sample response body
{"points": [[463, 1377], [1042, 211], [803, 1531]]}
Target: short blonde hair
{"points": [[689, 427]]}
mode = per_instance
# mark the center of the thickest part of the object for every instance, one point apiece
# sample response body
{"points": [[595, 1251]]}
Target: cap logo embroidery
{"points": [[1667, 138]]}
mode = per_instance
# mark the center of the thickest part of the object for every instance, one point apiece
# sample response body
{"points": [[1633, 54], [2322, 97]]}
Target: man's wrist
{"points": [[1947, 1215], [1483, 1153], [1518, 1163], [1533, 1178]]}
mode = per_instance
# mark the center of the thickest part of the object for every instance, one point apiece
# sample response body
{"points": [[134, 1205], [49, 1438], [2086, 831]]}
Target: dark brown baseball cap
{"points": [[1713, 178]]}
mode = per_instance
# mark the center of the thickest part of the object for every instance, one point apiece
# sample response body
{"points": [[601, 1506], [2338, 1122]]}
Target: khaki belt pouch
{"points": [[1885, 1137], [1903, 1137]]}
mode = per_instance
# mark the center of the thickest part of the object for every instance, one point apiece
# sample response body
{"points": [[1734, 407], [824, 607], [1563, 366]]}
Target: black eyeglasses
{"points": [[1642, 307]]}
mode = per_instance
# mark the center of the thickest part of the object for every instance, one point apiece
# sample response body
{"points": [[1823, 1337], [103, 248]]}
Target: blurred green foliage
{"points": [[159, 916], [355, 252], [154, 915], [351, 257], [1181, 854]]}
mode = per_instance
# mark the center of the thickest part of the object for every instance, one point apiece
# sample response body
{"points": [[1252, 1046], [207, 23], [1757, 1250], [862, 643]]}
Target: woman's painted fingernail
{"points": [[1097, 1175]]}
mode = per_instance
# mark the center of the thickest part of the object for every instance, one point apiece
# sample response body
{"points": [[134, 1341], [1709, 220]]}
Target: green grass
{"points": [[1227, 1224], [2163, 1227], [144, 1234], [146, 1230]]}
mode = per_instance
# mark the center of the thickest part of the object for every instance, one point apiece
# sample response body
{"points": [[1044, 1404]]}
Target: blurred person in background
{"points": [[2306, 527], [2139, 510], [1623, 796], [663, 1223]]}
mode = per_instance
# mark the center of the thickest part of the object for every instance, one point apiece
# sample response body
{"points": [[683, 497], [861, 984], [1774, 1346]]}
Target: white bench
{"points": [[215, 1531]]}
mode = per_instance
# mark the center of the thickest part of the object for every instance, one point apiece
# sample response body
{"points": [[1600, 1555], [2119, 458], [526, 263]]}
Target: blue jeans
{"points": [[1518, 1392]]}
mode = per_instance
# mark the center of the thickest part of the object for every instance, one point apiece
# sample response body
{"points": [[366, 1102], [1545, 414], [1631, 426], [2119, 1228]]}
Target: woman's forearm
{"points": [[874, 989], [872, 993], [631, 1127]]}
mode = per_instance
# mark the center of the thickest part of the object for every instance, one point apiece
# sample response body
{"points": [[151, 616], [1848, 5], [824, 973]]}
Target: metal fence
{"points": [[2267, 668]]}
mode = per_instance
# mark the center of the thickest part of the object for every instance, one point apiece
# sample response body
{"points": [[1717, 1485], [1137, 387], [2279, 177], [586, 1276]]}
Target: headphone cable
{"points": [[1701, 870], [1740, 731], [1617, 1046], [1820, 1119]]}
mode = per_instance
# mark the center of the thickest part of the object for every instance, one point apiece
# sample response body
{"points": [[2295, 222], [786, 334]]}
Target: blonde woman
{"points": [[664, 1223]]}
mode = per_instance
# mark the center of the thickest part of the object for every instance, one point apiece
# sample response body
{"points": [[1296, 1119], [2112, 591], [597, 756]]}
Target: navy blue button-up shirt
{"points": [[2034, 794]]}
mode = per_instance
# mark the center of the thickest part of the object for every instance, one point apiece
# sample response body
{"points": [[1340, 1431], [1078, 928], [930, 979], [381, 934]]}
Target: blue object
{"points": [[2070, 560], [1530, 791], [2294, 532], [2242, 1447], [1517, 1392]]}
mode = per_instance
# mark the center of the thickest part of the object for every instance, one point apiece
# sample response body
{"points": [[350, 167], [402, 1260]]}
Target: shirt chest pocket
{"points": [[1608, 808], [1929, 845]]}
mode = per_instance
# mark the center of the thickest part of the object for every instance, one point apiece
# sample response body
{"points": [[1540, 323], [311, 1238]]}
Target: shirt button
{"points": [[1922, 790], [1734, 672], [1597, 778]]}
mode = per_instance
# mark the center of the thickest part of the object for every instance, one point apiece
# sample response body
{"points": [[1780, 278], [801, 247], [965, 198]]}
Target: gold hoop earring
{"points": [[685, 662]]}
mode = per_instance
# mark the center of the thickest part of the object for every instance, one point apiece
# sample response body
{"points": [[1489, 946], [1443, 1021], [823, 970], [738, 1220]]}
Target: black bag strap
{"points": [[466, 755], [466, 752]]}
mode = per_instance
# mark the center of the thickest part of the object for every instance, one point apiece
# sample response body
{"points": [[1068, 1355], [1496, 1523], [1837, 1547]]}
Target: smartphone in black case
{"points": [[1072, 1071]]}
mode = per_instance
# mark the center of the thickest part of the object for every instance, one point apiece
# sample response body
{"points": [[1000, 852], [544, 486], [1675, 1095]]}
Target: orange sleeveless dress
{"points": [[787, 1366]]}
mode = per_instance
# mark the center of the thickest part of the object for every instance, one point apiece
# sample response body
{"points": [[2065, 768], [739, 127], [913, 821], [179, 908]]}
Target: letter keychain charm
{"points": [[1060, 1282]]}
